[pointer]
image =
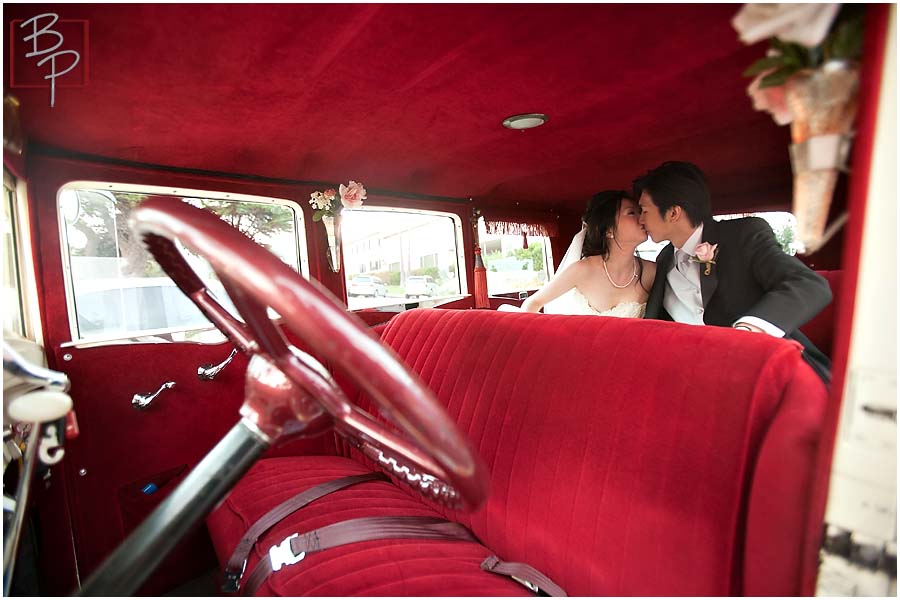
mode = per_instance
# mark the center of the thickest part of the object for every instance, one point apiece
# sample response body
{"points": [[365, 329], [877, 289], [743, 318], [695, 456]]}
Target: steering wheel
{"points": [[433, 456]]}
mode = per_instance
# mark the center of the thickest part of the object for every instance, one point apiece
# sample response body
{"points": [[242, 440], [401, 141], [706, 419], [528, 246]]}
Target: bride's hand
{"points": [[509, 308]]}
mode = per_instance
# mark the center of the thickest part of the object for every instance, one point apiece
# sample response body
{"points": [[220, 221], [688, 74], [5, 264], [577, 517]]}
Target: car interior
{"points": [[262, 304]]}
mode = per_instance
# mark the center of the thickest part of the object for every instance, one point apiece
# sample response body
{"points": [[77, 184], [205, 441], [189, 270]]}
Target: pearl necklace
{"points": [[627, 283]]}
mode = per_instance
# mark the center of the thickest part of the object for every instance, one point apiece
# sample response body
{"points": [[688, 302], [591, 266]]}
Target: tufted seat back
{"points": [[632, 457]]}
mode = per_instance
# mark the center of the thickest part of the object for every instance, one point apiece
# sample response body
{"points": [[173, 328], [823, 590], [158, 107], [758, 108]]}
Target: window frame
{"points": [[24, 261], [79, 341], [462, 275]]}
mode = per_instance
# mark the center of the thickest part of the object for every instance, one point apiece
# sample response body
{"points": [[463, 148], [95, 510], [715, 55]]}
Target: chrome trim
{"points": [[255, 430], [142, 401], [147, 336], [21, 217], [15, 364], [13, 534], [209, 372]]}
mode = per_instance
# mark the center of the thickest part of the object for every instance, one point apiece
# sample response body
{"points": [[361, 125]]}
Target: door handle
{"points": [[142, 401], [209, 372]]}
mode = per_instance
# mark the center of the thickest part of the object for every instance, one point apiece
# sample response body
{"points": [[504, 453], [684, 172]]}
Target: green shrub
{"points": [[434, 272]]}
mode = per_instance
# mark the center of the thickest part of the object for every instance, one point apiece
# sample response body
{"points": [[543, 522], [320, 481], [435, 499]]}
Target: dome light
{"points": [[525, 121]]}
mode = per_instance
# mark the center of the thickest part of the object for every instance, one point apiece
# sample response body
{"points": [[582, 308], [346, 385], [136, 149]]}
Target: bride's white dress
{"points": [[581, 306], [574, 302]]}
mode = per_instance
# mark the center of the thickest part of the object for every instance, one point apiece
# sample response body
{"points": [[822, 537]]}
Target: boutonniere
{"points": [[705, 254]]}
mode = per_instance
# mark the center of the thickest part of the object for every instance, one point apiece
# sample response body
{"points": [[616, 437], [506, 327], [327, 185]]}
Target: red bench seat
{"points": [[627, 457]]}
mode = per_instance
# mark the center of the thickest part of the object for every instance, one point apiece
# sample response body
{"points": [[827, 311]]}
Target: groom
{"points": [[726, 273]]}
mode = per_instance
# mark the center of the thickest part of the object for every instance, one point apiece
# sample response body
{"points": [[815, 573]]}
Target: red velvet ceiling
{"points": [[411, 98]]}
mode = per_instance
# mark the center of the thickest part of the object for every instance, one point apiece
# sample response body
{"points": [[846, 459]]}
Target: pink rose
{"points": [[329, 193], [771, 100], [352, 195], [704, 252]]}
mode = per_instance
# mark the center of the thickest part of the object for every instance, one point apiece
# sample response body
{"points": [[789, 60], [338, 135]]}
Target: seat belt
{"points": [[234, 570], [295, 547], [527, 575]]}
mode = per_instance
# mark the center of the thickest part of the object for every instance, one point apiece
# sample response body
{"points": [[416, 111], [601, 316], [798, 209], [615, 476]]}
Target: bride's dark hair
{"points": [[600, 218]]}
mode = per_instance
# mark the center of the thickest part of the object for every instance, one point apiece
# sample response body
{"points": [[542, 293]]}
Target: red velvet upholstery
{"points": [[820, 330], [628, 457], [614, 98], [378, 568], [785, 515]]}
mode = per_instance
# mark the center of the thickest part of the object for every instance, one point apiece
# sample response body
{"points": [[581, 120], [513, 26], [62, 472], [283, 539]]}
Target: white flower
{"points": [[319, 201], [804, 24]]}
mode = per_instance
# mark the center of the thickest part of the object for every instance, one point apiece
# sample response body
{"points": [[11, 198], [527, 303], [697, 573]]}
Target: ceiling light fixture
{"points": [[526, 121]]}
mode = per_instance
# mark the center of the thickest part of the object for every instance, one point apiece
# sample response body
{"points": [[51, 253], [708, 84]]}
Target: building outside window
{"points": [[384, 248]]}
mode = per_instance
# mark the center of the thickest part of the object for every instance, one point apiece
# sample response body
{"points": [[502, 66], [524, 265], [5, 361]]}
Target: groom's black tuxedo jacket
{"points": [[752, 277]]}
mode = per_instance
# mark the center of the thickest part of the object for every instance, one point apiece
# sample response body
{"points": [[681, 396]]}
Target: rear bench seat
{"points": [[627, 457]]}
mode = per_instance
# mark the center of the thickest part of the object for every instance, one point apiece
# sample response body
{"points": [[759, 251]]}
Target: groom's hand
{"points": [[747, 327]]}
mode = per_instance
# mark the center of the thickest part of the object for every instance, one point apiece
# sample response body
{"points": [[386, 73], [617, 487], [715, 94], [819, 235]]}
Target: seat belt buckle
{"points": [[534, 588], [282, 555], [232, 581]]}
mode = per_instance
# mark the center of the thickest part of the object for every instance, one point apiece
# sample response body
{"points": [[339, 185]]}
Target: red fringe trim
{"points": [[512, 228]]}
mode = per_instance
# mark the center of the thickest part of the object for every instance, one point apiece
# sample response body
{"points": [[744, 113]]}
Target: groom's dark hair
{"points": [[676, 183]]}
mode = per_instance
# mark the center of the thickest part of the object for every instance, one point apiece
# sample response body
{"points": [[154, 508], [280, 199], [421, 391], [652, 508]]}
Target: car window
{"points": [[513, 265], [394, 256], [13, 307], [784, 226], [116, 289]]}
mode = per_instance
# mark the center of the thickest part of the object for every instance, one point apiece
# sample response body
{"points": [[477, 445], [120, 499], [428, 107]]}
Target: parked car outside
{"points": [[366, 285], [420, 285]]}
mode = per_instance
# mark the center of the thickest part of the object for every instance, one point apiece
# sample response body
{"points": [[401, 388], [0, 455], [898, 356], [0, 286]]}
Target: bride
{"points": [[600, 273]]}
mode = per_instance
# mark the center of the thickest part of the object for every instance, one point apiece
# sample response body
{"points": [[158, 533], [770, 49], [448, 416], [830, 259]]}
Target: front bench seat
{"points": [[376, 568]]}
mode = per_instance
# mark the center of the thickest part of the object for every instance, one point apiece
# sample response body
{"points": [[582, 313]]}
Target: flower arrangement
{"points": [[801, 36], [705, 254], [809, 79], [324, 203]]}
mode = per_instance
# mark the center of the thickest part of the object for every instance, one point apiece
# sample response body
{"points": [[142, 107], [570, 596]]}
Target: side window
{"points": [[117, 290], [393, 257], [13, 305], [783, 224], [512, 267]]}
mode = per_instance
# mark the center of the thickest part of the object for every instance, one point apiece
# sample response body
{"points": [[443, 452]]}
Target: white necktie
{"points": [[682, 261]]}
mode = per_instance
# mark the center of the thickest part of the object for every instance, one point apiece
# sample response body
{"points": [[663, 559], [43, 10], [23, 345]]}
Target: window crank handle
{"points": [[209, 372], [142, 401]]}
